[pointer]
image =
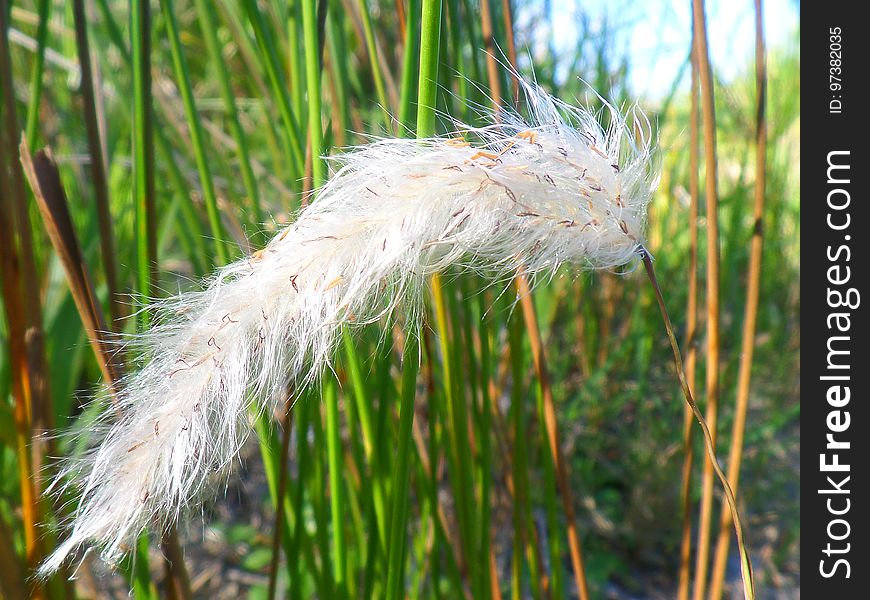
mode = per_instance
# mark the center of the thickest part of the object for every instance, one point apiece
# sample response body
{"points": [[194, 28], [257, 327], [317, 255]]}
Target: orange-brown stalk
{"points": [[539, 359], [14, 306], [538, 356], [511, 47], [712, 364], [45, 182], [747, 348], [32, 411], [690, 343], [492, 69]]}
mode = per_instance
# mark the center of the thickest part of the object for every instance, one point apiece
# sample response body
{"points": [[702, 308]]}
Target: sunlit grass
{"points": [[463, 499]]}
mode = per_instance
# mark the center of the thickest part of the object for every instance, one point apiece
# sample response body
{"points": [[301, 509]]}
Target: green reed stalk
{"points": [[191, 227], [334, 450], [317, 491], [43, 9], [97, 165], [362, 402], [554, 547], [487, 583], [372, 51], [410, 64], [269, 61], [143, 151], [312, 76], [456, 409], [303, 463], [335, 36], [280, 531], [430, 39], [454, 23], [196, 135], [397, 549], [294, 57], [515, 332], [450, 339], [146, 217], [209, 30]]}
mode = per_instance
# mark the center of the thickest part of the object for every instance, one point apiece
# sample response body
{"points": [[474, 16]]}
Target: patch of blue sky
{"points": [[654, 35]]}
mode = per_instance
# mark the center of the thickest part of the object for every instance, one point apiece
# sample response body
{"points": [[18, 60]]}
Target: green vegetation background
{"points": [[229, 91]]}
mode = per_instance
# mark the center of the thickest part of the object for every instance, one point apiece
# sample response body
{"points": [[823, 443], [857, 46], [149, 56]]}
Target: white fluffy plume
{"points": [[557, 189]]}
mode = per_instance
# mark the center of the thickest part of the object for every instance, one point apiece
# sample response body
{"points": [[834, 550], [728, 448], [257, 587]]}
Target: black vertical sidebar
{"points": [[835, 265]]}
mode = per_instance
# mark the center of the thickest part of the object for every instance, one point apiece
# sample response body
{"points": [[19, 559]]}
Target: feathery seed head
{"points": [[555, 189]]}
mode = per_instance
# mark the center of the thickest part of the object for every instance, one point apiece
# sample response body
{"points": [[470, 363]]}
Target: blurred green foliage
{"points": [[617, 397]]}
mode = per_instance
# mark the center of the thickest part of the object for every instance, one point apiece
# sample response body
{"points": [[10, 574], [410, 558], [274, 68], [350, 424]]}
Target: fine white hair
{"points": [[555, 188]]}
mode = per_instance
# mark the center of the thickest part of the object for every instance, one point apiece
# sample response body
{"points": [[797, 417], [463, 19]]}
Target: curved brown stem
{"points": [[745, 563]]}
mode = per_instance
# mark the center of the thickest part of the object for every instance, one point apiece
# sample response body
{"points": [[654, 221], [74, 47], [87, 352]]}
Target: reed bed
{"points": [[529, 439]]}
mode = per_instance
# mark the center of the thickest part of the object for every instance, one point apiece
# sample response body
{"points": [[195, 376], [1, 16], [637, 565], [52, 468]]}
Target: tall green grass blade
{"points": [[362, 402], [195, 128], [486, 456], [317, 491], [515, 329], [143, 155], [372, 51], [219, 68], [411, 73], [397, 548], [31, 127], [295, 65], [312, 76], [269, 61], [430, 43], [146, 226], [97, 164], [336, 494], [340, 77]]}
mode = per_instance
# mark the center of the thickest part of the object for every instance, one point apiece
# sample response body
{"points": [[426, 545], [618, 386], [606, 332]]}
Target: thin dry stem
{"points": [[177, 580], [745, 562]]}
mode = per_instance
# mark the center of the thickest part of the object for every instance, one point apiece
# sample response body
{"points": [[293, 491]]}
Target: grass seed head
{"points": [[541, 192]]}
